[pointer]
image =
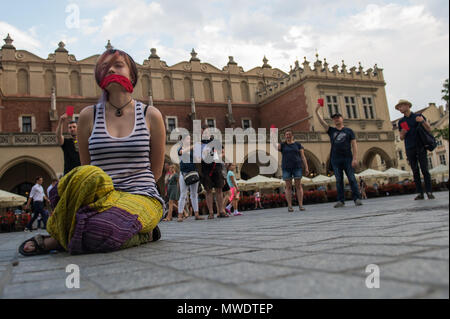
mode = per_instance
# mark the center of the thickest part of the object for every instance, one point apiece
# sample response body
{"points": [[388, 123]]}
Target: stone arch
{"points": [[168, 91], [187, 84], [244, 92], [314, 165], [23, 82], [226, 90], [49, 81], [370, 154], [23, 171], [207, 90], [75, 85], [249, 169]]}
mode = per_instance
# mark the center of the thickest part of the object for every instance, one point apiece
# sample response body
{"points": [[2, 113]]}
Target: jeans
{"points": [[339, 166], [290, 173], [38, 208], [416, 157]]}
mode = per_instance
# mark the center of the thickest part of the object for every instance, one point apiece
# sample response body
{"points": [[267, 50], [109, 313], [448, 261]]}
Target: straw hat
{"points": [[403, 102]]}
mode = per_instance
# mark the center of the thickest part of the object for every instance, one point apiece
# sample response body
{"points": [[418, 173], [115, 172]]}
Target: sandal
{"points": [[290, 209], [302, 208], [39, 246], [222, 215], [210, 216], [199, 218], [167, 219]]}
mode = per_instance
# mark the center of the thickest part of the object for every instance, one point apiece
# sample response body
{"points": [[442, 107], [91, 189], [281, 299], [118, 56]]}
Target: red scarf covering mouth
{"points": [[120, 79]]}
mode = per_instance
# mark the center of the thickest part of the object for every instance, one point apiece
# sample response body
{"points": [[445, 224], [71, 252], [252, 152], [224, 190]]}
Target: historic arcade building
{"points": [[35, 91]]}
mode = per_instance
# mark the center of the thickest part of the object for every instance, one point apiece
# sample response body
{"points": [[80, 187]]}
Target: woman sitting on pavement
{"points": [[111, 202]]}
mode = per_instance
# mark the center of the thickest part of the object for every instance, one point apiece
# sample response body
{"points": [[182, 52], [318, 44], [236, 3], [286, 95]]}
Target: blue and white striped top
{"points": [[126, 159]]}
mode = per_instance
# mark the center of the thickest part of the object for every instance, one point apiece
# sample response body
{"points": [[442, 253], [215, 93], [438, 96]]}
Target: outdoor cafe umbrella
{"points": [[8, 199], [372, 173], [439, 170], [394, 172], [320, 180]]}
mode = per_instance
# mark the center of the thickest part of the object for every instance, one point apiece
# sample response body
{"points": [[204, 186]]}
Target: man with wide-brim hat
{"points": [[415, 152]]}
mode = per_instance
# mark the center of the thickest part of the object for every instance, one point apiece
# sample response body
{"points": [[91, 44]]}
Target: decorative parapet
{"points": [[28, 139], [320, 71]]}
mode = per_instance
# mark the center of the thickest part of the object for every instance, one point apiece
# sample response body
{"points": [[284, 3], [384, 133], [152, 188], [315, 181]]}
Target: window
{"points": [[332, 104], [210, 122], [226, 90], [75, 86], [26, 124], [22, 82], [246, 123], [145, 82], [350, 106], [75, 117], [368, 107], [167, 84], [400, 155], [244, 92], [439, 142], [430, 163], [187, 88], [442, 159], [171, 123], [403, 168], [207, 90]]}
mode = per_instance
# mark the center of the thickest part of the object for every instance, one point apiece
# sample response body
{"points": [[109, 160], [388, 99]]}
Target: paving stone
{"points": [[333, 286], [138, 279], [226, 251], [36, 289], [242, 272], [265, 255], [379, 250], [189, 290], [439, 253], [197, 262]]}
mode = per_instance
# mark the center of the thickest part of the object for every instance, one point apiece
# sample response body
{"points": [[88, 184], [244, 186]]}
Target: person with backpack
{"points": [[416, 152]]}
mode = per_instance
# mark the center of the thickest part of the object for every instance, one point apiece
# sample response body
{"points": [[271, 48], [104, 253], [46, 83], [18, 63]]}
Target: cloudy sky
{"points": [[409, 39]]}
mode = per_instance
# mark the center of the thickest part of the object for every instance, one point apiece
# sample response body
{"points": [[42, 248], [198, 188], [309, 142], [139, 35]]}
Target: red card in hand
{"points": [[320, 101], [404, 126], [69, 110]]}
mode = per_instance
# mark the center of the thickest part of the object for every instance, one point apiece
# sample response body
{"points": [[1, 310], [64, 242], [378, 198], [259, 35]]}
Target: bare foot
{"points": [[49, 244]]}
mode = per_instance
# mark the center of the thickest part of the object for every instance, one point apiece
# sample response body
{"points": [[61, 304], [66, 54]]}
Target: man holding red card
{"points": [[415, 151], [68, 145]]}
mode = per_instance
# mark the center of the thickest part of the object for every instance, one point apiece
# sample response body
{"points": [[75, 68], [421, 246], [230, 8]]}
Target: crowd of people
{"points": [[108, 198]]}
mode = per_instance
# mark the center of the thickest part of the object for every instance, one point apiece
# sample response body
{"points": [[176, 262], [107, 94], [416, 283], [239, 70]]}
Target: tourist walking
{"points": [[362, 188], [173, 192], [258, 200], [342, 156], [234, 190], [37, 195], [111, 202], [415, 150]]}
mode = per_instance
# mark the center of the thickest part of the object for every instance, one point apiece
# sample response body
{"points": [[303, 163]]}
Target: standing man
{"points": [[68, 145], [343, 156], [37, 195], [415, 151]]}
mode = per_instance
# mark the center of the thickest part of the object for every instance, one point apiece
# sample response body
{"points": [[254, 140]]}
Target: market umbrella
{"points": [[320, 180], [394, 172], [438, 170], [8, 199], [372, 173]]}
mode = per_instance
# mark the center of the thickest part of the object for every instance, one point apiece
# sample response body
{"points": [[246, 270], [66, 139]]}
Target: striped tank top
{"points": [[126, 159]]}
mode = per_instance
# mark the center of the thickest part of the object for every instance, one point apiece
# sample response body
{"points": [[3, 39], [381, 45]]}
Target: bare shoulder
{"points": [[86, 118], [88, 110], [153, 113]]}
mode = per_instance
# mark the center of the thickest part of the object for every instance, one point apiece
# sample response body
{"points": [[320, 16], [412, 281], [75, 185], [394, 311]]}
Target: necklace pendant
{"points": [[119, 113]]}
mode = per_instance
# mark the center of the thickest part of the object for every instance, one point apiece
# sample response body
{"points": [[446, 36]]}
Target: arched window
{"points": [[75, 87], [49, 81], [207, 89], [187, 88], [22, 82], [226, 90], [167, 83], [260, 86], [244, 92], [145, 80]]}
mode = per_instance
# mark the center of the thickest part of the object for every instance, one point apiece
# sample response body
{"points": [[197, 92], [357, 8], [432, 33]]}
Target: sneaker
{"points": [[236, 213], [339, 204], [430, 196], [228, 210], [358, 202], [419, 197]]}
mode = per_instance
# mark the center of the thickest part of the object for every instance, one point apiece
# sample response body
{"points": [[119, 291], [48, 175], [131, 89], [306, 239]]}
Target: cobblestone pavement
{"points": [[320, 253]]}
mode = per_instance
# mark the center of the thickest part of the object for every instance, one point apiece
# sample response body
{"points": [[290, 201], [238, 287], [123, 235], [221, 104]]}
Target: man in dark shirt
{"points": [[415, 152], [68, 145], [343, 141]]}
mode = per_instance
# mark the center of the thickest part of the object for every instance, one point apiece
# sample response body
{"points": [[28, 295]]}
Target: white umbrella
{"points": [[8, 199], [321, 180], [441, 169], [394, 172], [372, 173]]}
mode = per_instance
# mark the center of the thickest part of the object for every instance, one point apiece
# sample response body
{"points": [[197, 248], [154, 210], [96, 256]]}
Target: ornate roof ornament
{"points": [[61, 47], [305, 62], [231, 60], [109, 46], [343, 66], [8, 42], [153, 54], [265, 65], [194, 56], [360, 68]]}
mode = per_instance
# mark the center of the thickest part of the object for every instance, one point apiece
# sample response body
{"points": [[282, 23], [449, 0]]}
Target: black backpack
{"points": [[425, 138]]}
